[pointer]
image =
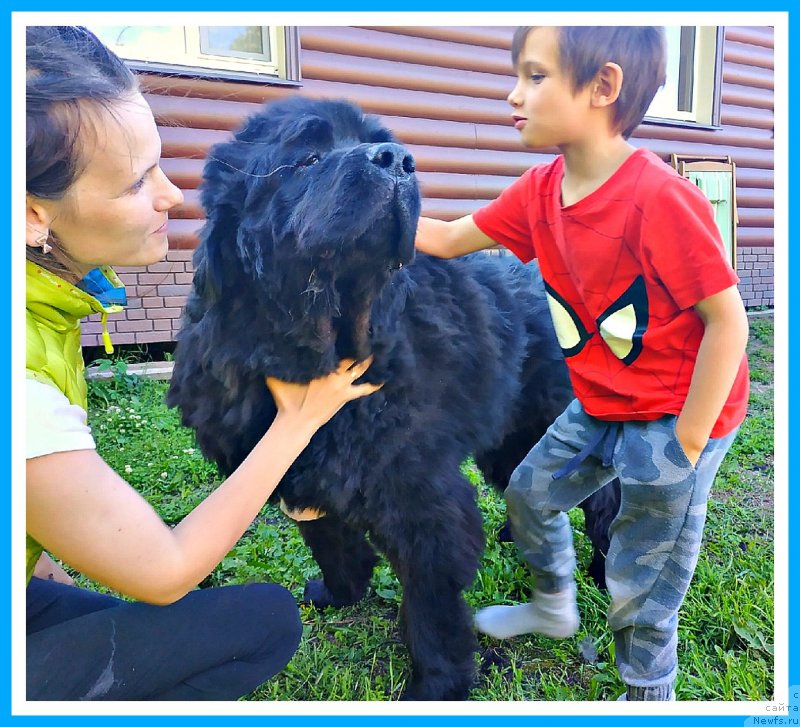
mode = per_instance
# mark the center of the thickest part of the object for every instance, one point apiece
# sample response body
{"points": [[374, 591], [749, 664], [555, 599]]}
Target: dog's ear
{"points": [[222, 195], [205, 283]]}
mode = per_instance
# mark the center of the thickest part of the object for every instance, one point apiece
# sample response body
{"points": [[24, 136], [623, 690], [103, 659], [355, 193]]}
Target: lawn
{"points": [[726, 629]]}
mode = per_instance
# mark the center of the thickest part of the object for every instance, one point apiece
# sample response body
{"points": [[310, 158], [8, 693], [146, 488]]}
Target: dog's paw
{"points": [[317, 594], [504, 534], [496, 658], [597, 571], [436, 690]]}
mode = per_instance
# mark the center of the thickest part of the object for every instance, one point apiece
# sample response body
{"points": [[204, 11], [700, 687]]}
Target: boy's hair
{"points": [[641, 52]]}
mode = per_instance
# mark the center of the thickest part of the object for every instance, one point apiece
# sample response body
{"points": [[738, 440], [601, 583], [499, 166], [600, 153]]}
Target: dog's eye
{"points": [[310, 161]]}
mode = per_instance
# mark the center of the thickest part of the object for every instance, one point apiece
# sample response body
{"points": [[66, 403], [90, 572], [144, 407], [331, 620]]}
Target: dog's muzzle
{"points": [[392, 158]]}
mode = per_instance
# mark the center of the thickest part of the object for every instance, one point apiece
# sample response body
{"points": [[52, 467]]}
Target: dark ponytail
{"points": [[69, 74], [68, 70]]}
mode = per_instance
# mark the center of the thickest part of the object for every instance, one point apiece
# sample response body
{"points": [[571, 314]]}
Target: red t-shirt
{"points": [[623, 268]]}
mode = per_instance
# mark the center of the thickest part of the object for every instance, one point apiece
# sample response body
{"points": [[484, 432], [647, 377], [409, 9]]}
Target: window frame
{"points": [[708, 88], [285, 71]]}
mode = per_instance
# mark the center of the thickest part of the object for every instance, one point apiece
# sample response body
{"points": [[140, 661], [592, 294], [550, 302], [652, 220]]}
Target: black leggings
{"points": [[217, 643]]}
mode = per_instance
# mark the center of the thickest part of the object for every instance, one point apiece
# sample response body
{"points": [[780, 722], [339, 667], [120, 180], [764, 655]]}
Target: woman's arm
{"points": [[79, 509]]}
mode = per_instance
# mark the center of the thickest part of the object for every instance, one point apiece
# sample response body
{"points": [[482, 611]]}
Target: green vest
{"points": [[53, 310]]}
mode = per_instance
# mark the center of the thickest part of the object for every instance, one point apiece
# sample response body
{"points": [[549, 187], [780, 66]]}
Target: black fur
{"points": [[307, 257]]}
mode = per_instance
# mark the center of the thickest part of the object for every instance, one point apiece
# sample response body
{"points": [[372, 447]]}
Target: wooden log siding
{"points": [[442, 91]]}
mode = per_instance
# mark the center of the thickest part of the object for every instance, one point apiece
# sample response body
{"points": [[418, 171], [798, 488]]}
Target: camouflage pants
{"points": [[655, 538]]}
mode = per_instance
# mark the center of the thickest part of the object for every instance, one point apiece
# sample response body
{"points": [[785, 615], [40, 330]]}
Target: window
{"points": [[691, 93], [234, 51]]}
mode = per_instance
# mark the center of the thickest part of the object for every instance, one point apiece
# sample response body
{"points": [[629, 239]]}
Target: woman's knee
{"points": [[271, 599], [256, 616], [273, 606]]}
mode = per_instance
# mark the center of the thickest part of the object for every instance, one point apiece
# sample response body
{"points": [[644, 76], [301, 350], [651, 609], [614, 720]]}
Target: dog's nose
{"points": [[393, 158]]}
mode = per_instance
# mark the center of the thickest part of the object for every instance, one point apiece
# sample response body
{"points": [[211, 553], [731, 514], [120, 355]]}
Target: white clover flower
{"points": [[128, 469], [163, 475]]}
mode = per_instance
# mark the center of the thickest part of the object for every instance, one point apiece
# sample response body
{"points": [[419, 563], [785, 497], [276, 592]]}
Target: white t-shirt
{"points": [[53, 424]]}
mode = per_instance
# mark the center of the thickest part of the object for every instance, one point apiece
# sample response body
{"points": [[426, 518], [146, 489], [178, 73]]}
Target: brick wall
{"points": [[755, 268], [156, 295]]}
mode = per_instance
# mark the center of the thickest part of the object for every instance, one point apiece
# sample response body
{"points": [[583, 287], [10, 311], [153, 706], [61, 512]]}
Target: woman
{"points": [[96, 197]]}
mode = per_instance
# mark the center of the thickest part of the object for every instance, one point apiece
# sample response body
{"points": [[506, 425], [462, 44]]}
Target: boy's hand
{"points": [[691, 446], [450, 239], [718, 360]]}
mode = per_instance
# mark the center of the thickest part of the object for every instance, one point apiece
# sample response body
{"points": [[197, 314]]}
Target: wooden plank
{"points": [[160, 370]]}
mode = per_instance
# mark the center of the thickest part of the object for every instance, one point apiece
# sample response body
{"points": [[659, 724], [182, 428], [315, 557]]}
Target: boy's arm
{"points": [[450, 239], [718, 360]]}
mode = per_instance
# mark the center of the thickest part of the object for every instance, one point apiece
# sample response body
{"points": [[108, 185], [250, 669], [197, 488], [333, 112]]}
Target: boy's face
{"points": [[546, 111]]}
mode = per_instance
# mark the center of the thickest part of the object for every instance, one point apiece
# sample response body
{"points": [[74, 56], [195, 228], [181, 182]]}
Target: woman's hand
{"points": [[316, 402]]}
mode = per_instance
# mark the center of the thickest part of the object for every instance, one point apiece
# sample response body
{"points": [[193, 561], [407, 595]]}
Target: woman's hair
{"points": [[641, 52], [70, 75]]}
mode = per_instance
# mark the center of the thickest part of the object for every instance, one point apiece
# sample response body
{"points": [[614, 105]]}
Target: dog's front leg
{"points": [[435, 553], [345, 558]]}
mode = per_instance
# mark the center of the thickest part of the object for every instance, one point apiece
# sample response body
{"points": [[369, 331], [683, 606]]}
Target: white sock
{"points": [[549, 614]]}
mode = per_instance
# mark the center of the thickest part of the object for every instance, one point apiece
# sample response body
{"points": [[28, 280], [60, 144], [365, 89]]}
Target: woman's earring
{"points": [[42, 241]]}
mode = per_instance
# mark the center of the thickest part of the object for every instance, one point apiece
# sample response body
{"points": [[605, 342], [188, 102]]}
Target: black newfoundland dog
{"points": [[308, 257]]}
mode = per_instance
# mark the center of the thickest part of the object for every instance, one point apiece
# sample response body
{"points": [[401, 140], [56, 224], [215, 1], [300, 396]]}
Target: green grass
{"points": [[726, 632]]}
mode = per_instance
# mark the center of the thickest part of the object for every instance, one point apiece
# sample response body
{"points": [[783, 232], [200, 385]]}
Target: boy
{"points": [[652, 327]]}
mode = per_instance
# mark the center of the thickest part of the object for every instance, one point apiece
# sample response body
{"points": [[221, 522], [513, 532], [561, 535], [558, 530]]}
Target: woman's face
{"points": [[115, 212]]}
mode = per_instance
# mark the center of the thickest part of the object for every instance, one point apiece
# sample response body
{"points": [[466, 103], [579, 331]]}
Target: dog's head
{"points": [[313, 202], [309, 180]]}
